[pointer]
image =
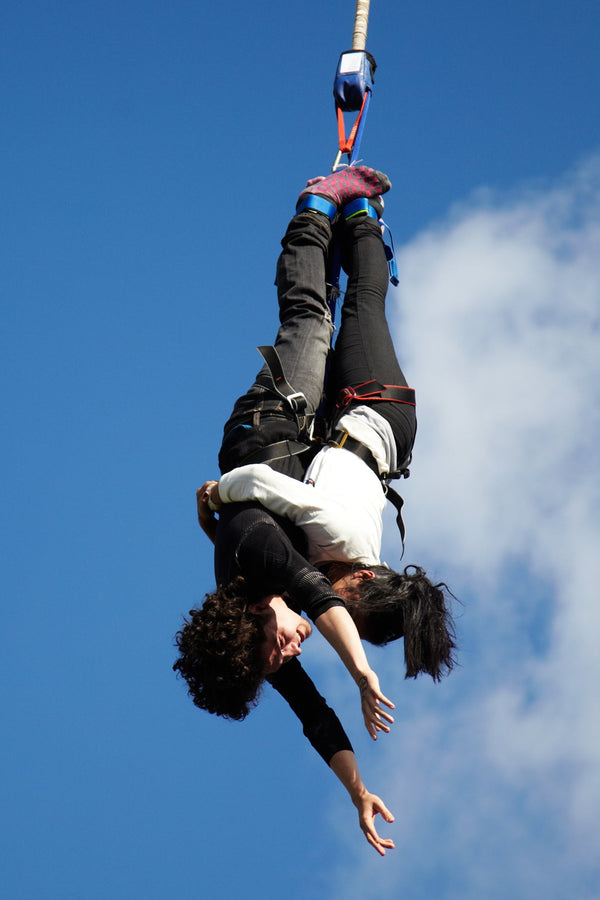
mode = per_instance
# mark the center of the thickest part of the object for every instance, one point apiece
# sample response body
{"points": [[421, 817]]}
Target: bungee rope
{"points": [[361, 24]]}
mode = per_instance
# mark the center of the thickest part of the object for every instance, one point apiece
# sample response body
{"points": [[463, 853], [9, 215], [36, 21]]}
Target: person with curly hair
{"points": [[252, 624]]}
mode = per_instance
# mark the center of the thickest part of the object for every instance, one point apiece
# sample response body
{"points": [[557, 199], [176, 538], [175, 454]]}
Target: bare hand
{"points": [[368, 805], [375, 717], [206, 516]]}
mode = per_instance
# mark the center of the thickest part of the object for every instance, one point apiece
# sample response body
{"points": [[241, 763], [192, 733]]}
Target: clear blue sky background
{"points": [[151, 156]]}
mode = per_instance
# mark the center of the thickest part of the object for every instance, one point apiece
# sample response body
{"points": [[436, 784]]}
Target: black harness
{"points": [[281, 387], [367, 392], [343, 440]]}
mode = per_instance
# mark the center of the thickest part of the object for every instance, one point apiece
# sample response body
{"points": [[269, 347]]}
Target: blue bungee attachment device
{"points": [[352, 88], [353, 77]]}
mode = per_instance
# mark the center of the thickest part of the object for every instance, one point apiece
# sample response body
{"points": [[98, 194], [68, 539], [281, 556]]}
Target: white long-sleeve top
{"points": [[339, 506]]}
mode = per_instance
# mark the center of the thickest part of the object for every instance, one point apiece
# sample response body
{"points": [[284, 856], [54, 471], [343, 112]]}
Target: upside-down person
{"points": [[251, 624]]}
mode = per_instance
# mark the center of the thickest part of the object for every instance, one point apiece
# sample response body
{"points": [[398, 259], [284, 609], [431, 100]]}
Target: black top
{"points": [[258, 545]]}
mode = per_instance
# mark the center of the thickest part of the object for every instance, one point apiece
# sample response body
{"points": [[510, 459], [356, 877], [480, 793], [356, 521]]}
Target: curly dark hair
{"points": [[220, 652], [409, 605]]}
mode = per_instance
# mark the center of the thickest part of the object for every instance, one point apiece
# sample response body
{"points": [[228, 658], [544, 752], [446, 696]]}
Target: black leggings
{"points": [[364, 350]]}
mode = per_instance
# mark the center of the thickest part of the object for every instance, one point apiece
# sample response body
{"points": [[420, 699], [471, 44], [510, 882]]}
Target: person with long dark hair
{"points": [[339, 502]]}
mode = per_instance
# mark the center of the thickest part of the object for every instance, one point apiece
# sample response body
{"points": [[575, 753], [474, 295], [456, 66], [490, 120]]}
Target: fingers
{"points": [[375, 722], [381, 714], [385, 700], [380, 844], [376, 719], [203, 494], [369, 684], [374, 726], [205, 514], [376, 844], [205, 491], [368, 807], [381, 726], [380, 807], [370, 832]]}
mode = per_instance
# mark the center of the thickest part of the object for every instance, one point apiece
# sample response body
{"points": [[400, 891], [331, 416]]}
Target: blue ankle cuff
{"points": [[356, 207], [319, 204]]}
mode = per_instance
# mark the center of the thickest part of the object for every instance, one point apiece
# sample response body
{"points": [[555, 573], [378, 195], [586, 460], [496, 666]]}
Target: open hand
{"points": [[371, 698], [368, 805]]}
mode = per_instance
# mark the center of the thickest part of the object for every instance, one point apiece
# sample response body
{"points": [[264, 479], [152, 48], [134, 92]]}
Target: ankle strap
{"points": [[358, 207], [319, 204]]}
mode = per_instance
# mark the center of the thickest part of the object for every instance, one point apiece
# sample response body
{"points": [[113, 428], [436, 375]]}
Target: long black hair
{"points": [[407, 604]]}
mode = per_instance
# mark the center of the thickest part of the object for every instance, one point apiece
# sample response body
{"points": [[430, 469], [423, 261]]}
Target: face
{"points": [[349, 586], [284, 630]]}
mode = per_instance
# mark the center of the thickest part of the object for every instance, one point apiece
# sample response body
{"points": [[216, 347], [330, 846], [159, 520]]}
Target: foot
{"points": [[348, 184]]}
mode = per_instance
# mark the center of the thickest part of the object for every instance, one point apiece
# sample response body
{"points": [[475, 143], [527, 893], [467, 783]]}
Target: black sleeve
{"points": [[319, 722], [267, 559]]}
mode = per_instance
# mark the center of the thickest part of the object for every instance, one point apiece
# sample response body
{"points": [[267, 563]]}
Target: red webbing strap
{"points": [[393, 393], [346, 146]]}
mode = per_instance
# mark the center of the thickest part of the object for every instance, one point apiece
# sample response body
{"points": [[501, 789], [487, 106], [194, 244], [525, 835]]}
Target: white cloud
{"points": [[496, 774]]}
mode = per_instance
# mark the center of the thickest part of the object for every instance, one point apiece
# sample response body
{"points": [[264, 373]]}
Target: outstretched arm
{"points": [[339, 630], [324, 730], [368, 805]]}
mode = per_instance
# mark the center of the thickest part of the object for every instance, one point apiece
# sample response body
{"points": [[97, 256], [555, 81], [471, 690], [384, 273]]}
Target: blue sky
{"points": [[152, 155]]}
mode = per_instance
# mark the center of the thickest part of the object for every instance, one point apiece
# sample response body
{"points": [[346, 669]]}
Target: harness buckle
{"points": [[297, 402], [339, 444]]}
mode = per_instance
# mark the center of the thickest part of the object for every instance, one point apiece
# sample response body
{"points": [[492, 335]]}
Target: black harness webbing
{"points": [[397, 501], [356, 447], [295, 399], [342, 439], [279, 450], [297, 402]]}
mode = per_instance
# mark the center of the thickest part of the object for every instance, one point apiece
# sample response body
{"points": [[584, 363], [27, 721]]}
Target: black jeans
{"points": [[303, 341]]}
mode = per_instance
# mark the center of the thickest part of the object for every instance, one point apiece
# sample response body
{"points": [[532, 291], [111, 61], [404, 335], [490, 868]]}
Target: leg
{"points": [[302, 342], [364, 349], [259, 418]]}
